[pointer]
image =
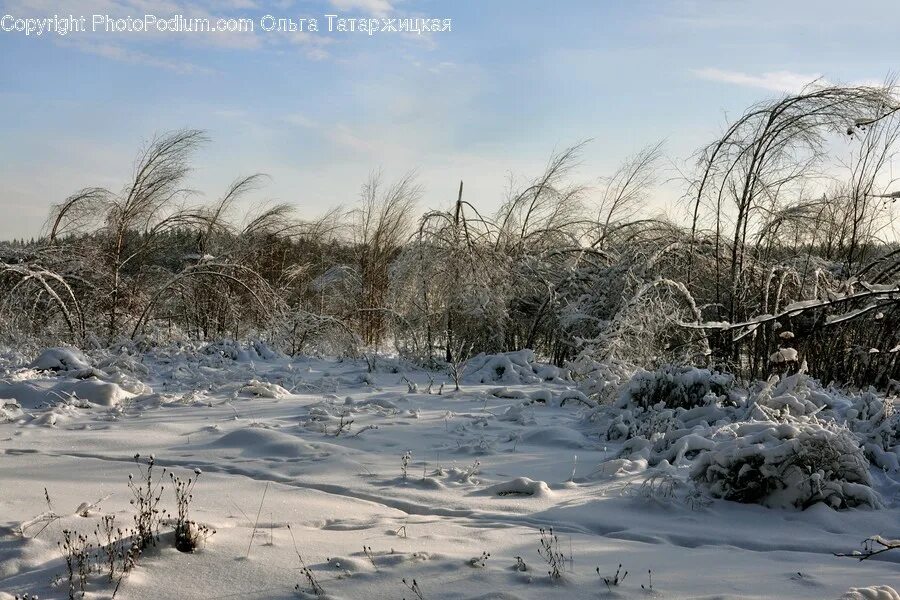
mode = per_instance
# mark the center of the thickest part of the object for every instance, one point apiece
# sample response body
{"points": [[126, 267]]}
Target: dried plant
{"points": [[550, 552], [188, 534], [146, 492]]}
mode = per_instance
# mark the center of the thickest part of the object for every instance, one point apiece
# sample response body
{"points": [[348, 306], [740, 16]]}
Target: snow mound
{"points": [[508, 394], [351, 564], [372, 403], [521, 486], [61, 359], [875, 592], [513, 368], [266, 443], [876, 422], [787, 442], [793, 395], [9, 410], [554, 437], [39, 393], [94, 391], [125, 381], [517, 413], [786, 465], [784, 355], [264, 389], [575, 397], [541, 396], [124, 364], [658, 423], [60, 414]]}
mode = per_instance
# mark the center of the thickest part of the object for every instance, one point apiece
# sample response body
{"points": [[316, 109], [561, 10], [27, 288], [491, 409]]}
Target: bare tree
{"points": [[133, 219], [626, 190], [380, 225], [765, 159]]}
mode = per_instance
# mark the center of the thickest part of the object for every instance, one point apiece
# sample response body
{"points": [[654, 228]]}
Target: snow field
{"points": [[488, 467]]}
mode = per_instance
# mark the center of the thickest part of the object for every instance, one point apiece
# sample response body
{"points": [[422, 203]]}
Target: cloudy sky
{"points": [[513, 80]]}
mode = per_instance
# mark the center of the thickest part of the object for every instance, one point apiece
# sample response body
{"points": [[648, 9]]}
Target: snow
{"points": [[787, 465], [620, 478], [48, 392], [877, 592], [61, 359], [264, 389], [510, 368], [784, 355]]}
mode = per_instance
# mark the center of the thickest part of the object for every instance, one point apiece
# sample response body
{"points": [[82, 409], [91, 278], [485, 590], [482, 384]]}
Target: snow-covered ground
{"points": [[487, 468]]}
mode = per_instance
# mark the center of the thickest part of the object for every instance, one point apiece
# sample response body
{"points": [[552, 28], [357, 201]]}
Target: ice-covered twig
{"points": [[872, 546]]}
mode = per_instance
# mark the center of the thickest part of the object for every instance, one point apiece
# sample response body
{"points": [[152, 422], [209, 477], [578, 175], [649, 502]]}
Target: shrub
{"points": [[77, 552], [146, 494], [188, 534], [787, 465], [675, 387], [111, 544], [552, 555]]}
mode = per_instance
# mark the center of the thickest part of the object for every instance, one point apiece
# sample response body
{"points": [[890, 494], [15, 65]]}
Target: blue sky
{"points": [[513, 80]]}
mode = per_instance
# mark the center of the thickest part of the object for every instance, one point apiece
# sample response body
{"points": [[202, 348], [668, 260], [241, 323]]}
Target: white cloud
{"points": [[240, 4], [230, 113], [775, 81], [338, 135], [375, 7], [314, 44], [778, 81], [437, 68], [121, 54], [343, 137], [300, 121], [317, 54]]}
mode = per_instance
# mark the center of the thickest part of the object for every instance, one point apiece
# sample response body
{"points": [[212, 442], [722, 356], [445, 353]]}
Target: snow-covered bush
{"points": [[871, 417], [302, 332], [787, 442], [653, 405], [599, 379], [874, 417], [61, 359], [645, 329], [9, 410], [787, 465], [242, 351], [511, 368], [876, 422], [675, 387], [796, 395], [263, 389], [647, 424], [874, 592]]}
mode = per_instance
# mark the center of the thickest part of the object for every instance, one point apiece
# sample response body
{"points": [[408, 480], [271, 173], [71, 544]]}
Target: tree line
{"points": [[785, 253]]}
